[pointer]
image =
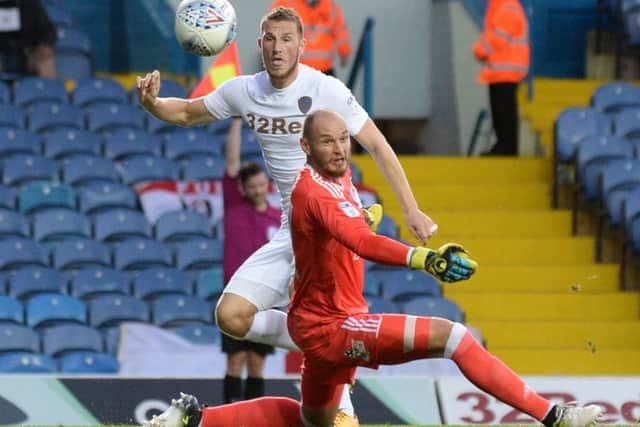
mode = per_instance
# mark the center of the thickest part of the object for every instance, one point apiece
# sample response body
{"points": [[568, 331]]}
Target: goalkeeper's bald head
{"points": [[326, 142]]}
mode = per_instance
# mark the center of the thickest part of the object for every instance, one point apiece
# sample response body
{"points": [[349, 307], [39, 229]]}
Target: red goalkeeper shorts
{"points": [[335, 351]]}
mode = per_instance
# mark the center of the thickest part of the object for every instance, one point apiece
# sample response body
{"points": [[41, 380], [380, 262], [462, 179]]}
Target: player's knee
{"points": [[440, 329], [234, 315]]}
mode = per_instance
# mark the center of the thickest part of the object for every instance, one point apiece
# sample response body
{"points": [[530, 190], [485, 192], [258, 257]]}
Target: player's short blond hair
{"points": [[280, 14]]}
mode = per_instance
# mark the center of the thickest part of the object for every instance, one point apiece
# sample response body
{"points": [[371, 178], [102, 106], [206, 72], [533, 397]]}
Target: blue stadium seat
{"points": [[73, 55], [59, 17], [106, 118], [148, 168], [110, 310], [18, 141], [18, 253], [356, 173], [575, 124], [372, 284], [88, 363], [617, 179], [186, 143], [156, 126], [141, 254], [21, 169], [83, 170], [249, 146], [90, 282], [592, 154], [632, 219], [124, 143], [63, 143], [18, 338], [111, 339], [154, 282], [180, 310], [403, 284], [49, 116], [44, 310], [613, 97], [38, 196], [381, 305], [210, 283], [101, 196], [199, 334], [220, 127], [91, 92], [7, 197], [120, 224], [13, 224], [30, 281], [64, 339], [388, 227], [626, 124], [11, 117], [177, 226], [58, 224], [29, 90], [27, 363], [198, 254], [78, 254], [434, 306], [203, 168], [5, 93], [11, 310]]}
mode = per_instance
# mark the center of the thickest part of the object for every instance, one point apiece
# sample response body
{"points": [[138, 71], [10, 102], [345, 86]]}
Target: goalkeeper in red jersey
{"points": [[328, 316]]}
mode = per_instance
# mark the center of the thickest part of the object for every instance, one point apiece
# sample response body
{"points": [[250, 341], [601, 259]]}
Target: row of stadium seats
{"points": [[87, 94], [122, 143], [83, 170], [90, 282], [132, 254], [114, 225], [601, 144]]}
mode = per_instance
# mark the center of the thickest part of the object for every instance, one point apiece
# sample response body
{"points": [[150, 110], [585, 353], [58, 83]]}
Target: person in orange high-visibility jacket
{"points": [[503, 50], [325, 31]]}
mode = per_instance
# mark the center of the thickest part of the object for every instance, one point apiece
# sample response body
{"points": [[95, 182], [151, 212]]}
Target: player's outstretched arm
{"points": [[182, 112], [376, 144]]}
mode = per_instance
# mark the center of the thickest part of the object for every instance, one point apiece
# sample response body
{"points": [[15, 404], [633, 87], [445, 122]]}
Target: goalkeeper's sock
{"points": [[270, 327], [263, 412], [490, 374]]}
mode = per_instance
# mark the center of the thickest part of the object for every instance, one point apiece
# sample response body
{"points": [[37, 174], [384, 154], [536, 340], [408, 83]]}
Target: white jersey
{"points": [[276, 116]]}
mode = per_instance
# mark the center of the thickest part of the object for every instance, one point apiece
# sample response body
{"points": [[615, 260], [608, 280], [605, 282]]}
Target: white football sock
{"points": [[270, 327]]}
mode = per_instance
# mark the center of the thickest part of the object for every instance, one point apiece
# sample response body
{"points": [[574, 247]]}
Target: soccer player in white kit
{"points": [[274, 104]]}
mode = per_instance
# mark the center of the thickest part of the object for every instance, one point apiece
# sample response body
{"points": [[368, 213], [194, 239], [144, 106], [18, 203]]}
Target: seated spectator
{"points": [[27, 39]]}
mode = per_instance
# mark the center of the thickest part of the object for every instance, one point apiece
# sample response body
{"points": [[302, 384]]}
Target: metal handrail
{"points": [[364, 59]]}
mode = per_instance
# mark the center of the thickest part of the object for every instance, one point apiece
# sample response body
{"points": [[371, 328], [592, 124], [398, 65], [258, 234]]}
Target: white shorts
{"points": [[263, 279]]}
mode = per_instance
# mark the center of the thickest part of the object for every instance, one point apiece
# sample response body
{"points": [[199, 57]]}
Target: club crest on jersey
{"points": [[349, 210], [357, 351], [304, 104]]}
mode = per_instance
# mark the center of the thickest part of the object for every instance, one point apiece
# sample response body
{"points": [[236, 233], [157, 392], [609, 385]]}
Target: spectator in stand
{"points": [[325, 32], [503, 51], [27, 39], [249, 223]]}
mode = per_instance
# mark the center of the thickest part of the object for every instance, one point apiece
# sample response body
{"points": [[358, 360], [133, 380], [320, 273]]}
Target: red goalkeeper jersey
{"points": [[330, 239]]}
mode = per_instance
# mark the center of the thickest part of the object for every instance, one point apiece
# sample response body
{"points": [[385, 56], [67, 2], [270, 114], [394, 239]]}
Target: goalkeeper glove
{"points": [[450, 263], [373, 216]]}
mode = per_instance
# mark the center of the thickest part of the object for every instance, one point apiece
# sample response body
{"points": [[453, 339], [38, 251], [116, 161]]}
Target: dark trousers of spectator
{"points": [[504, 114]]}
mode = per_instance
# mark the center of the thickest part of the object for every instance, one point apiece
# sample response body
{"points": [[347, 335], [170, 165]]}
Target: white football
{"points": [[205, 27]]}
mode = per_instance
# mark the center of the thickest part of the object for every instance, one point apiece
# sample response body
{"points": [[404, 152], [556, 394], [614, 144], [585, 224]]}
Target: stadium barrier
{"points": [[88, 401]]}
